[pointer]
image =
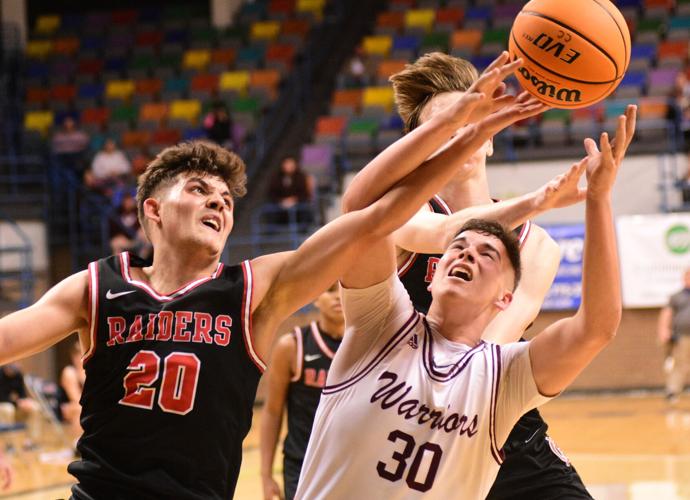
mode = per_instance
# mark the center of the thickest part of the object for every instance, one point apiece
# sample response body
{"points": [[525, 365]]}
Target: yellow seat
{"points": [[38, 120], [47, 25], [196, 59], [119, 89], [39, 49], [313, 6], [378, 45], [378, 96], [185, 109], [264, 30], [234, 80], [420, 18]]}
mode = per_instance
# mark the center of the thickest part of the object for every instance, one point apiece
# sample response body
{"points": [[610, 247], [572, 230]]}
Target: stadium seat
{"points": [[123, 117], [642, 56], [196, 59], [652, 122], [280, 56], [281, 9], [250, 57], [175, 87], [119, 89], [359, 139], [40, 121], [419, 20], [264, 30], [679, 28], [346, 102], [329, 129], [234, 82], [47, 24], [264, 83], [632, 85], [67, 45], [390, 23], [37, 95], [672, 53], [465, 42], [294, 31], [405, 47], [379, 45], [222, 59], [94, 119], [64, 93], [477, 17], [313, 7], [318, 161], [135, 139], [184, 112], [378, 97], [39, 49], [436, 41], [92, 67], [448, 19], [152, 114], [125, 17], [661, 81], [166, 137], [388, 67], [203, 37], [203, 85]]}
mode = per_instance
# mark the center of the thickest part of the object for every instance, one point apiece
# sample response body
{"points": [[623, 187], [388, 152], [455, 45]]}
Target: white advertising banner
{"points": [[654, 253]]}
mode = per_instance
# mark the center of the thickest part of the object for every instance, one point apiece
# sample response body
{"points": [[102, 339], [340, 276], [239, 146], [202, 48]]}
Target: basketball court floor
{"points": [[626, 447]]}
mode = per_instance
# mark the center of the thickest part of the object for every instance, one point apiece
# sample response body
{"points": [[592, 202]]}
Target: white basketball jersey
{"points": [[419, 415]]}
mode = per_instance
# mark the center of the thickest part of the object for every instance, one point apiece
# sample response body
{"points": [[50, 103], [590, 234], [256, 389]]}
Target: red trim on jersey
{"points": [[247, 316], [298, 358], [495, 381], [443, 204], [183, 290], [319, 340], [407, 264], [92, 311], [524, 233]]}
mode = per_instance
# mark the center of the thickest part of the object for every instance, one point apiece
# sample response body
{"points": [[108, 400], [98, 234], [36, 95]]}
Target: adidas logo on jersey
{"points": [[413, 342]]}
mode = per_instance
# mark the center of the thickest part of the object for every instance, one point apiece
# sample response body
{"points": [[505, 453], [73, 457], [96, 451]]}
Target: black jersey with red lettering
{"points": [[418, 269], [170, 385]]}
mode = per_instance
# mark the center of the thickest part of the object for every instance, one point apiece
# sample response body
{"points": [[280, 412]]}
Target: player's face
{"points": [[198, 211], [328, 303], [475, 269], [440, 102]]}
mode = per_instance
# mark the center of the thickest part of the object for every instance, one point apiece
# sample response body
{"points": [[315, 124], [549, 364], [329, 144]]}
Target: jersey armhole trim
{"points": [[92, 310], [319, 340], [299, 354], [496, 451], [526, 227], [247, 316]]}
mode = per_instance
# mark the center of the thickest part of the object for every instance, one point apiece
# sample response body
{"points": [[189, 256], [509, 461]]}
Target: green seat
{"points": [[650, 25], [557, 115], [362, 126], [144, 61], [125, 113], [245, 105], [170, 60], [436, 39], [205, 34], [495, 36], [178, 12]]}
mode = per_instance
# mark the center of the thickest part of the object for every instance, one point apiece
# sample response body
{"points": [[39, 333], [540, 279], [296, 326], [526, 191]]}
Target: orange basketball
{"points": [[575, 51]]}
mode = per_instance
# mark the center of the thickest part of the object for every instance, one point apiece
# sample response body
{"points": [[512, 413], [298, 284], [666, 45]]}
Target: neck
{"points": [[174, 268], [334, 329], [462, 326], [462, 192]]}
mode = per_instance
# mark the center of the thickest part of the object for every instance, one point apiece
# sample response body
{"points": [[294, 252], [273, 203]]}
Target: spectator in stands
{"points": [[16, 405], [674, 332], [110, 169], [126, 234], [355, 75], [69, 145], [141, 161], [291, 189], [71, 384], [218, 125]]}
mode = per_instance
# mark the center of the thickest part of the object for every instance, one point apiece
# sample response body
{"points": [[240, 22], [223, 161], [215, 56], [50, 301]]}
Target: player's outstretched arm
{"points": [[428, 232], [564, 349], [396, 162], [61, 311], [279, 374]]}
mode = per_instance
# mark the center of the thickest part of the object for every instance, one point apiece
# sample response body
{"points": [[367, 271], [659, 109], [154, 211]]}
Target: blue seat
{"points": [[37, 70], [634, 78], [481, 62], [115, 64], [90, 90], [406, 42], [175, 36], [643, 51], [92, 43], [193, 133], [479, 12], [628, 3]]}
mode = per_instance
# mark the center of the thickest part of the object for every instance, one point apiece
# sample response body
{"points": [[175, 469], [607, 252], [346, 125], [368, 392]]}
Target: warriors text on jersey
{"points": [[417, 415], [170, 384], [315, 351], [417, 270]]}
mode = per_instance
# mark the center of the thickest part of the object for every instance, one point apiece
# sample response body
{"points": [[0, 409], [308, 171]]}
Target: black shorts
{"points": [[291, 470], [535, 469]]}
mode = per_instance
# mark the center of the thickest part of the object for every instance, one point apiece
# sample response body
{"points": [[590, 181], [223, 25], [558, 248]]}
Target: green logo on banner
{"points": [[678, 239]]}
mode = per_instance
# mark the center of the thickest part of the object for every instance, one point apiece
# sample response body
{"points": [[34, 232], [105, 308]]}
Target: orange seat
{"points": [[63, 92], [391, 19], [135, 139], [66, 45], [651, 108], [282, 52], [37, 94], [148, 86], [267, 79], [347, 97], [124, 16], [284, 7], [298, 27], [224, 56], [153, 112], [207, 82], [673, 48], [466, 39], [166, 136], [95, 116], [330, 125], [450, 15], [665, 4], [389, 67]]}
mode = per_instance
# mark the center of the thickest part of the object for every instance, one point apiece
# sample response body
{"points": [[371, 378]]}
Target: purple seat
{"points": [[509, 10], [664, 77], [317, 160]]}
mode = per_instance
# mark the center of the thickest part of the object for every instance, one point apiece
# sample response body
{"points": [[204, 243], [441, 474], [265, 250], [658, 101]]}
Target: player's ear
{"points": [[152, 210], [503, 302]]}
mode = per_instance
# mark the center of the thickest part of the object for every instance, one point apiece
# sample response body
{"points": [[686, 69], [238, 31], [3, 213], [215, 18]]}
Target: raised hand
{"points": [[562, 190], [603, 162], [520, 108]]}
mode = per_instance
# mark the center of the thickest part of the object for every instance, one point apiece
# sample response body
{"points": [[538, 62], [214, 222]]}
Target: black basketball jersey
{"points": [[170, 385], [315, 351], [418, 269]]}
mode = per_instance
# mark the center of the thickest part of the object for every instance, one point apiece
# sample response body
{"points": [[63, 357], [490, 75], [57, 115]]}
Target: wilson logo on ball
{"points": [[548, 44], [563, 94]]}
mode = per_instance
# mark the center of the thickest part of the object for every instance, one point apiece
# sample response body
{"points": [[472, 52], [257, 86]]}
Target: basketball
{"points": [[575, 52]]}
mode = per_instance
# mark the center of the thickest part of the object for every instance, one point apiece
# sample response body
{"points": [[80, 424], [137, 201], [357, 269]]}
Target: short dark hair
{"points": [[201, 157], [507, 237]]}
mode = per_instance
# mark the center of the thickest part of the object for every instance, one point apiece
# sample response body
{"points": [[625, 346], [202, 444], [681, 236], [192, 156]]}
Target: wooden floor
{"points": [[632, 447]]}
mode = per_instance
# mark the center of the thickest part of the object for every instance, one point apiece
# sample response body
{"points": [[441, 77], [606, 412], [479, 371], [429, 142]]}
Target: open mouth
{"points": [[461, 272], [211, 222]]}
